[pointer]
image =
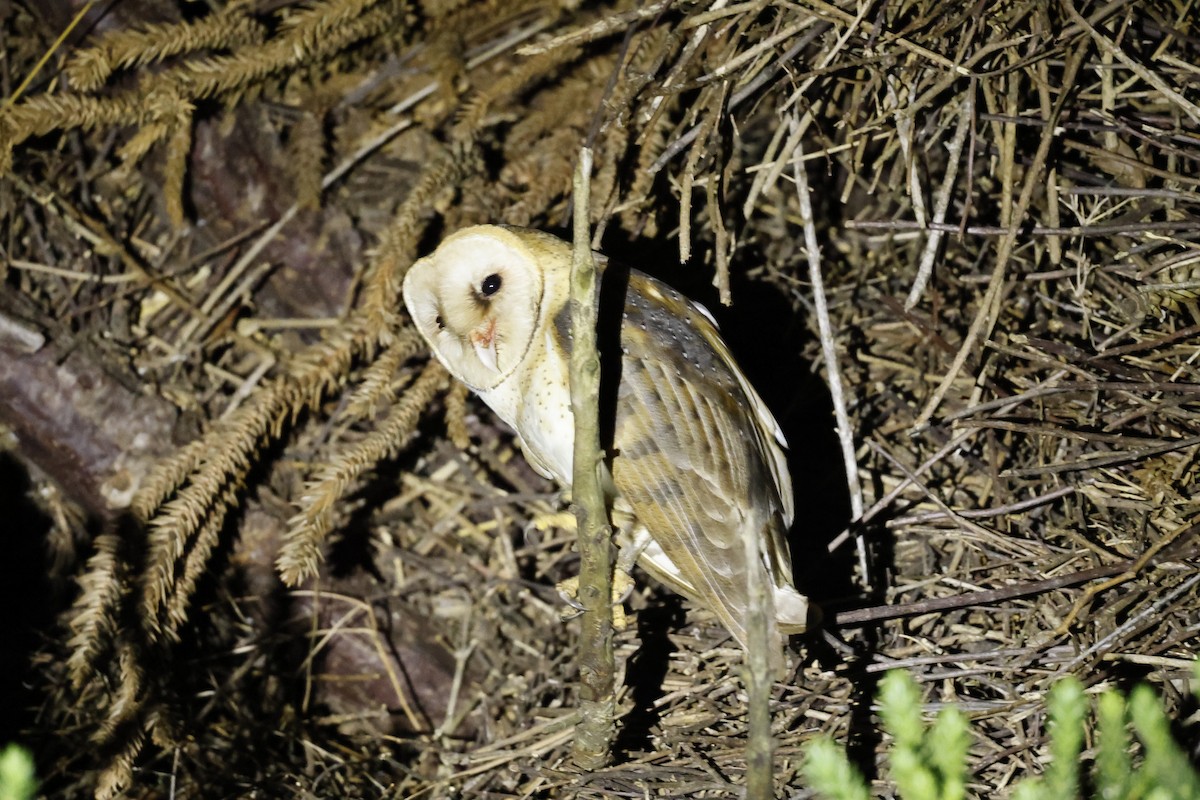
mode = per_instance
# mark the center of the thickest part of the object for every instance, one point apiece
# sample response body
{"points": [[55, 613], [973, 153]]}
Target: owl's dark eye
{"points": [[439, 322], [490, 285]]}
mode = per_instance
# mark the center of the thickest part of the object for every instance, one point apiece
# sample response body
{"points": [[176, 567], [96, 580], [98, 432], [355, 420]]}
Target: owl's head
{"points": [[476, 300]]}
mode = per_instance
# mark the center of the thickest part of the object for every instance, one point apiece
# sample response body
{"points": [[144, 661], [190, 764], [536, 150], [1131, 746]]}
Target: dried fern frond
{"points": [[375, 387], [301, 551], [456, 415], [192, 560], [537, 68], [321, 367], [310, 36], [187, 525], [117, 775], [95, 619], [309, 29], [653, 140], [173, 534], [41, 114], [127, 701], [542, 177], [143, 140], [231, 27], [229, 76], [306, 154], [167, 476]]}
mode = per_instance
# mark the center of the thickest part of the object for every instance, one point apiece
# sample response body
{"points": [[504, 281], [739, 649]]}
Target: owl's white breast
{"points": [[536, 402]]}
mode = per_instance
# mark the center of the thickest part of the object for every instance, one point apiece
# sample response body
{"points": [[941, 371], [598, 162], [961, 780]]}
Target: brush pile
{"points": [[310, 566]]}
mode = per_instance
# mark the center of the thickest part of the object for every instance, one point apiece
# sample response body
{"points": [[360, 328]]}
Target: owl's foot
{"points": [[630, 553], [622, 587], [557, 519]]}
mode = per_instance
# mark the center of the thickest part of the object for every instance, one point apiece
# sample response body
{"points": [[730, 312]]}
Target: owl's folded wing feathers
{"points": [[695, 455]]}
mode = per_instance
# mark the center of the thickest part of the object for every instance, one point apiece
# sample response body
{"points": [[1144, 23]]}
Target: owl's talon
{"points": [[624, 584], [626, 591], [568, 590], [622, 588], [620, 619]]}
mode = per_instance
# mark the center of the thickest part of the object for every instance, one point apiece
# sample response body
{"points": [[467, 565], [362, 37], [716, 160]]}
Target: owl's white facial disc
{"points": [[476, 301]]}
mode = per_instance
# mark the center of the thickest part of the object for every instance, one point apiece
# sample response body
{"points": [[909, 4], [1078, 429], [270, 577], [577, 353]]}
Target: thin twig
{"points": [[608, 25], [1149, 612], [1072, 231], [829, 349], [991, 597], [942, 202], [985, 513], [50, 51]]}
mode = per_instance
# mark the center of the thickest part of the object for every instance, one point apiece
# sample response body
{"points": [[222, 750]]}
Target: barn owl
{"points": [[694, 457]]}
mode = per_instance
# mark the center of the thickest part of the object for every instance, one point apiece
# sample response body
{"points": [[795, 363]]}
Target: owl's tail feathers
{"points": [[793, 611]]}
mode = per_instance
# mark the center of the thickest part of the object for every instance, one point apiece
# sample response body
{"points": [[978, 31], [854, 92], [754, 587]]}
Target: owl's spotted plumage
{"points": [[695, 456]]}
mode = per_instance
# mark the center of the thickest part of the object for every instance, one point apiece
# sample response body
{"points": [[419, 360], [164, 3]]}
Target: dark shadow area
{"points": [[26, 597], [768, 339], [863, 735], [645, 672]]}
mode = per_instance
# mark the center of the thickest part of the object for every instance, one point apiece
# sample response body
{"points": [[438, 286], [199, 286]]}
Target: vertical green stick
{"points": [[593, 737], [760, 744]]}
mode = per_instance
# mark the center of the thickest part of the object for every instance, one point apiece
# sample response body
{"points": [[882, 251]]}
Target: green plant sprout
{"points": [[930, 762], [16, 774]]}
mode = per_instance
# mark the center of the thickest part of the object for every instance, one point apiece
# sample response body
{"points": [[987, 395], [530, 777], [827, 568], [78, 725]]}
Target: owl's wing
{"points": [[696, 453], [767, 428]]}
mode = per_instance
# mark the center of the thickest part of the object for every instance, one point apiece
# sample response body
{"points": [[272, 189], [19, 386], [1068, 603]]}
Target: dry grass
{"points": [[1005, 200]]}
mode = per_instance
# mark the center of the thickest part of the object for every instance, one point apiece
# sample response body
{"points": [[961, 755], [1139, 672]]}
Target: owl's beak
{"points": [[484, 342]]}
